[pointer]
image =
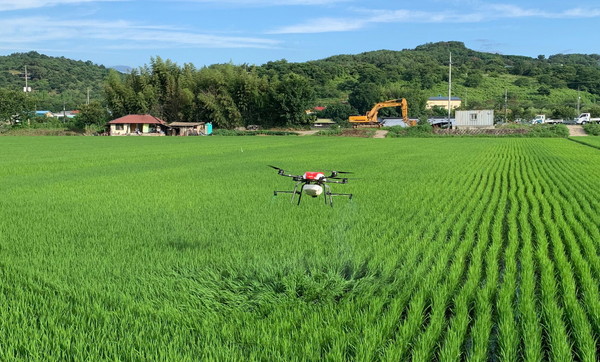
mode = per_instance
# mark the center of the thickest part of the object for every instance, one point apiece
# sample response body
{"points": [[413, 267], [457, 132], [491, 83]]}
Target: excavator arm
{"points": [[371, 116]]}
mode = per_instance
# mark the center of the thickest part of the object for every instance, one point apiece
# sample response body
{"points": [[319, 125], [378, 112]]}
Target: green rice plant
{"points": [[527, 302], [452, 248], [593, 142]]}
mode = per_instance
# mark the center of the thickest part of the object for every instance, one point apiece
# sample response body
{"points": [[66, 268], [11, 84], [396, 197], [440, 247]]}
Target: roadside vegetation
{"points": [[592, 129], [228, 132]]}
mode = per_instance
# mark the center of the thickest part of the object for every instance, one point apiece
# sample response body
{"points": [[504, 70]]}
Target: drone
{"points": [[313, 184]]}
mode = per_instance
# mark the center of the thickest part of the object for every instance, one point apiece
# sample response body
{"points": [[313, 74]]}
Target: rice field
{"points": [[172, 248], [593, 141]]}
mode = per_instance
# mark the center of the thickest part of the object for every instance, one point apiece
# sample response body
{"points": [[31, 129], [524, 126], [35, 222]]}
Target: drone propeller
{"points": [[334, 171]]}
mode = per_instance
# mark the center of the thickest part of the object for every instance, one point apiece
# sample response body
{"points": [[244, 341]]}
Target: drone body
{"points": [[313, 184]]}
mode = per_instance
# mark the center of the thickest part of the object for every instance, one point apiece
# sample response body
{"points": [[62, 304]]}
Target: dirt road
{"points": [[306, 133], [575, 130], [380, 134]]}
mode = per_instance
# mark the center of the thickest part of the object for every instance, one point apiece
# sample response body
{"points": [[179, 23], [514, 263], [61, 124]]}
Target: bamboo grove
{"points": [[228, 95]]}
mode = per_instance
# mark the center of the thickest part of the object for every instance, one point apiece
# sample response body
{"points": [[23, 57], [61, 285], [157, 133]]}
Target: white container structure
{"points": [[474, 119]]}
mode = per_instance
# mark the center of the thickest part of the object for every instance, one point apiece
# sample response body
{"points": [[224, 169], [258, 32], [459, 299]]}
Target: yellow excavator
{"points": [[370, 119]]}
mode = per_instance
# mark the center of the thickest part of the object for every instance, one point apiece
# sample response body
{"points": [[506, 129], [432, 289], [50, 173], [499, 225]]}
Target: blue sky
{"points": [[204, 32]]}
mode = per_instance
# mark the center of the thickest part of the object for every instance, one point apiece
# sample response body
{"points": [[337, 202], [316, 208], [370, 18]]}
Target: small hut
{"points": [[323, 122], [187, 129]]}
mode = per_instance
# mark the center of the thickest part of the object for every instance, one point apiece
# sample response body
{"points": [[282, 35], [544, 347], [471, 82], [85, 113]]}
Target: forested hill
{"points": [[515, 86], [524, 85], [55, 81]]}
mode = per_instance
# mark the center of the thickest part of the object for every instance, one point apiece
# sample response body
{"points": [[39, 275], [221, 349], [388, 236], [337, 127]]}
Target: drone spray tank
{"points": [[313, 189]]}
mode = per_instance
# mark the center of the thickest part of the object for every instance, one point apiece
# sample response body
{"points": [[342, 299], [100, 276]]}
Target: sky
{"points": [[204, 32]]}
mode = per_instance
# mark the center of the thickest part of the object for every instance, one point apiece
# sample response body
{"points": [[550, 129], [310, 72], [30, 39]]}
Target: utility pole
{"points": [[449, 89], [578, 103], [505, 105], [26, 89], [88, 96]]}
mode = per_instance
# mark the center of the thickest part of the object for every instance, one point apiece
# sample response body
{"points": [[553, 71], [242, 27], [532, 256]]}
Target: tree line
{"points": [[278, 93], [229, 96]]}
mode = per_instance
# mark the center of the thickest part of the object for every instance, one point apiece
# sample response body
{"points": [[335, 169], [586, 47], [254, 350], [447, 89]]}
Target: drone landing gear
{"points": [[332, 194], [293, 192], [327, 194]]}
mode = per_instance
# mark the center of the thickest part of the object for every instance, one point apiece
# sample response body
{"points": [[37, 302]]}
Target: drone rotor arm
{"points": [[336, 180]]}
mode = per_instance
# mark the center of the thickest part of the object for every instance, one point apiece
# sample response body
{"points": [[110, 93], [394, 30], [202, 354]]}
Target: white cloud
{"points": [[271, 2], [38, 30], [7, 5], [407, 16], [321, 25], [479, 13]]}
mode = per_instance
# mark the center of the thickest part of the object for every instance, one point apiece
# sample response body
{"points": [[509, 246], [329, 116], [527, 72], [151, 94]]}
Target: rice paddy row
{"points": [[175, 248]]}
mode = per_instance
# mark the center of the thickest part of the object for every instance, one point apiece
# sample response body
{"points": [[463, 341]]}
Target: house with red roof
{"points": [[138, 124]]}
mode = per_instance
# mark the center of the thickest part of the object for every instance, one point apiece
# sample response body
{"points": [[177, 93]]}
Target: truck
{"points": [[586, 118], [541, 119]]}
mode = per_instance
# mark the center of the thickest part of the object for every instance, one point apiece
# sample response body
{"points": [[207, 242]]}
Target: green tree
{"points": [[564, 112], [91, 114], [338, 112], [364, 96], [293, 95], [14, 106], [593, 110], [474, 79], [437, 111], [522, 82], [543, 91]]}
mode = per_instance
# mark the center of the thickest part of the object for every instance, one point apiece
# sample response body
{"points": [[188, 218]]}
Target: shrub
{"points": [[592, 129], [420, 130], [548, 130], [331, 131], [231, 132]]}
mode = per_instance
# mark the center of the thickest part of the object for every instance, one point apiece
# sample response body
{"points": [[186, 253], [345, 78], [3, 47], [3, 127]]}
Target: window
{"points": [[119, 127], [473, 117]]}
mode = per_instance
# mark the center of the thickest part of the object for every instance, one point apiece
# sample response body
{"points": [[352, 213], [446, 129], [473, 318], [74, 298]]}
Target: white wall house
{"points": [[137, 124]]}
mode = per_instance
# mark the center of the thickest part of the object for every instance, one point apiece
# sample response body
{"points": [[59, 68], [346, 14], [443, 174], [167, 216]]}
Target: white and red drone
{"points": [[313, 184]]}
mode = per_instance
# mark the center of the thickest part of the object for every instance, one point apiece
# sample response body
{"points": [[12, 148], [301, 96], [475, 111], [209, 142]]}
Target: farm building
{"points": [[323, 122], [474, 119], [44, 114], [395, 121], [441, 122], [138, 124], [64, 115], [187, 128], [442, 102]]}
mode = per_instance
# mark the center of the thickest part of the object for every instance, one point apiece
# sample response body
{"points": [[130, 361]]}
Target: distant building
{"points": [[138, 124], [442, 102], [474, 119], [44, 114], [323, 122], [315, 109], [441, 122], [67, 114], [395, 121], [187, 128]]}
